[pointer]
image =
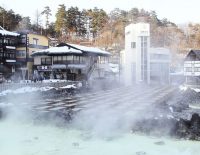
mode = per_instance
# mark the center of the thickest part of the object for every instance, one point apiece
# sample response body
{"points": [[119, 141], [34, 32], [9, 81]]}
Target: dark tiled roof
{"points": [[196, 52]]}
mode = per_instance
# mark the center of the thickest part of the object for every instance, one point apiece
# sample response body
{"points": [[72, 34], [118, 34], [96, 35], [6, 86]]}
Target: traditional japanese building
{"points": [[69, 61], [29, 42], [192, 67], [8, 43]]}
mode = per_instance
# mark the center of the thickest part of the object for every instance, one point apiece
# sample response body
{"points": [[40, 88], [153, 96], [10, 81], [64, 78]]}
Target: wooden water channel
{"points": [[116, 98]]}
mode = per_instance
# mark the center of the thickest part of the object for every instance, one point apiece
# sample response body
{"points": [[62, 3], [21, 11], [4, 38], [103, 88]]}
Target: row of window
{"points": [[63, 60], [21, 53], [144, 58], [190, 69], [8, 41], [7, 55]]}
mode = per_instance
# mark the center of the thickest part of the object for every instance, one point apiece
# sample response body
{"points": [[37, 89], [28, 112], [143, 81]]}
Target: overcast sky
{"points": [[177, 11]]}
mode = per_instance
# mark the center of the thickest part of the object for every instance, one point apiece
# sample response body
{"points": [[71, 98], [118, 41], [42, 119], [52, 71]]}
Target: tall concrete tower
{"points": [[136, 55]]}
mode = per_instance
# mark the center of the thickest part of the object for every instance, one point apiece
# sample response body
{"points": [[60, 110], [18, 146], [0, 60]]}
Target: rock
{"points": [[75, 144], [194, 130], [140, 153], [181, 129], [189, 129], [1, 114], [157, 126], [160, 143]]}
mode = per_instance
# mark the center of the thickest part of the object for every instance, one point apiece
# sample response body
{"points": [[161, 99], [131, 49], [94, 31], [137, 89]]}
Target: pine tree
{"points": [[61, 20], [98, 20], [47, 13], [8, 19]]}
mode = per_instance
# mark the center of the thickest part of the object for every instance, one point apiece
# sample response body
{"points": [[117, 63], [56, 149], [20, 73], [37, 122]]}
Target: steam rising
{"points": [[103, 126]]}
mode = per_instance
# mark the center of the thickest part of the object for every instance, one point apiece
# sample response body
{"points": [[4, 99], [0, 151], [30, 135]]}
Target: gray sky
{"points": [[177, 11]]}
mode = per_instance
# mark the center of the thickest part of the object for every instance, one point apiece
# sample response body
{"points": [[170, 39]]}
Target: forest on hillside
{"points": [[99, 28]]}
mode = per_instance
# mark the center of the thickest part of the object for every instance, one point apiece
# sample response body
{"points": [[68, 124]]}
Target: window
{"points": [[133, 44], [64, 58], [12, 56], [196, 69], [1, 55], [1, 41], [45, 61], [70, 59], [35, 41], [21, 53], [48, 61], [60, 59], [144, 58], [188, 69], [82, 59], [57, 60], [76, 59]]}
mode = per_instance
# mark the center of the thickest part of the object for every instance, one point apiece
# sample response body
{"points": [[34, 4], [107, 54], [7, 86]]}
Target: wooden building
{"points": [[8, 43], [192, 67], [68, 61], [29, 42]]}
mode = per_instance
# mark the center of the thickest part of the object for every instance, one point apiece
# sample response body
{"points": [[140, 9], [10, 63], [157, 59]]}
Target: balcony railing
{"points": [[68, 62]]}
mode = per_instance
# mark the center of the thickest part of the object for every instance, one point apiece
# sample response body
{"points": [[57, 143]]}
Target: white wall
{"points": [[132, 56], [160, 59]]}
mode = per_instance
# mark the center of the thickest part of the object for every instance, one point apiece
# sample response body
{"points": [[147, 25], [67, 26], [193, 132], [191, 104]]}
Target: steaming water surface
{"points": [[26, 138], [101, 128]]}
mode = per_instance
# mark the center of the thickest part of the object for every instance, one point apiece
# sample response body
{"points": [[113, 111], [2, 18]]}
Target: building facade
{"points": [[192, 68], [137, 42], [160, 60], [68, 61], [8, 43], [140, 62], [28, 43]]}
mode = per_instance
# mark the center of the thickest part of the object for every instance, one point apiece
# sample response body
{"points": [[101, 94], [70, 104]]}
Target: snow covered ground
{"points": [[184, 88], [29, 89]]}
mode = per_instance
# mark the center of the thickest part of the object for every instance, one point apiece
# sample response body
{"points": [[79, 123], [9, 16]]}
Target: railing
{"points": [[90, 69]]}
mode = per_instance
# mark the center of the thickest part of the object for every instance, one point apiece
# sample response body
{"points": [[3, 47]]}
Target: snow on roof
{"points": [[57, 50], [7, 33], [78, 66], [90, 49]]}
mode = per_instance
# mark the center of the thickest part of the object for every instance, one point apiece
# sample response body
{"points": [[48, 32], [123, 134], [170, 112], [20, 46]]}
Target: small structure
{"points": [[192, 67], [160, 60], [69, 61]]}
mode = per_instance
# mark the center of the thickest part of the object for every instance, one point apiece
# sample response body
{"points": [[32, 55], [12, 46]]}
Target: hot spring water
{"points": [[100, 129], [26, 138]]}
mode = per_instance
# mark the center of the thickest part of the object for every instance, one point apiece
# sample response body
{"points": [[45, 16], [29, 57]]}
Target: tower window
{"points": [[35, 41], [133, 44]]}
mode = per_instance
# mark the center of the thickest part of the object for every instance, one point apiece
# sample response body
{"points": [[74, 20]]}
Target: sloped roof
{"points": [[90, 49], [196, 52], [64, 48], [57, 50], [7, 33]]}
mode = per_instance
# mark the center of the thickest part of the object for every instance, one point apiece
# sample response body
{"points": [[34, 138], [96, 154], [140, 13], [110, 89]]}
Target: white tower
{"points": [[136, 55]]}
